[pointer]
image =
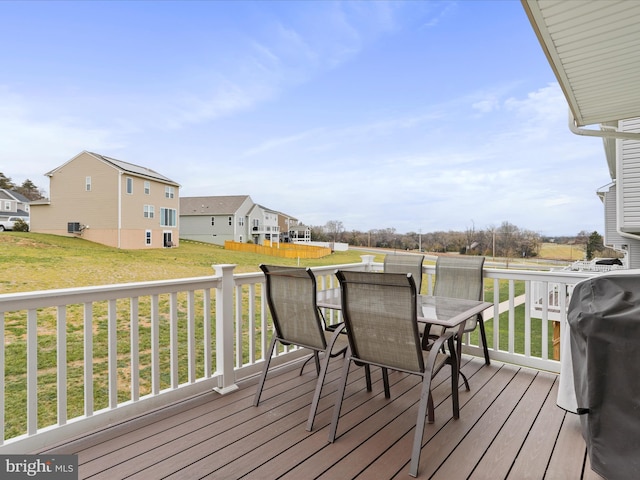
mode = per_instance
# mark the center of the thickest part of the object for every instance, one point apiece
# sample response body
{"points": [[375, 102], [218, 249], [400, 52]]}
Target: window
{"points": [[168, 217], [168, 192], [241, 221], [7, 205], [149, 211], [129, 185], [213, 221], [230, 221], [87, 181], [147, 237], [147, 188]]}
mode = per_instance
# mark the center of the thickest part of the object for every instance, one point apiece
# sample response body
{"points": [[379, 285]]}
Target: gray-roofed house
{"points": [[109, 201], [264, 225], [216, 219], [13, 204]]}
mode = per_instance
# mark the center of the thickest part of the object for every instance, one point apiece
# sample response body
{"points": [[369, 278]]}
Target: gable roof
{"points": [[126, 167], [11, 195], [594, 50], [216, 205]]}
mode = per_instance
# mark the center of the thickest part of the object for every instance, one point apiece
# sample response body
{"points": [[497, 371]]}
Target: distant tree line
{"points": [[28, 189], [507, 240]]}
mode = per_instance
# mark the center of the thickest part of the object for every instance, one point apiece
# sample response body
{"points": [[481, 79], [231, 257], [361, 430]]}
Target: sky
{"points": [[419, 116]]}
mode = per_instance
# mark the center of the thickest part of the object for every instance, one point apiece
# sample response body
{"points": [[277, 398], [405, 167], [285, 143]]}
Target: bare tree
{"points": [[334, 229]]}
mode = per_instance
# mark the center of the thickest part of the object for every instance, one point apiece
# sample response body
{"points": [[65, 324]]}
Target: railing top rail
{"points": [[65, 296]]}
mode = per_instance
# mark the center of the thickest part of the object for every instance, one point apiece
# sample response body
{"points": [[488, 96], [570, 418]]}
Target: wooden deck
{"points": [[509, 427]]}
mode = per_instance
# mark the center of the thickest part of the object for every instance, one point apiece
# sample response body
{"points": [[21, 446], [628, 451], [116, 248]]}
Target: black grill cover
{"points": [[604, 318]]}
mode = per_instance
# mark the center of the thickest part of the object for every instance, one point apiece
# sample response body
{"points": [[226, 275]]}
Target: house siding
{"points": [[111, 216], [196, 214], [629, 178]]}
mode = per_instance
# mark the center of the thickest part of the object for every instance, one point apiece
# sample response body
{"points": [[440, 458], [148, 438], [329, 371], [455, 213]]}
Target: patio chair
{"points": [[461, 277], [291, 296], [405, 263], [380, 314]]}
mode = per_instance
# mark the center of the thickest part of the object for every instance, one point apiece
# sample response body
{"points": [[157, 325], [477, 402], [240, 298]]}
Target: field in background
{"points": [[555, 251]]}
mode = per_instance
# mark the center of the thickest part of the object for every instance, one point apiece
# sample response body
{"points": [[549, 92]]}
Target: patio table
{"points": [[444, 311]]}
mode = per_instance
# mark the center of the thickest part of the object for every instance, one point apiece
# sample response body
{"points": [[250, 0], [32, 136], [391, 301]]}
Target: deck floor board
{"points": [[509, 427]]}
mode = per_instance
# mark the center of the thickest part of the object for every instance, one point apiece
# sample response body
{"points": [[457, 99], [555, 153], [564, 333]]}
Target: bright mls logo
{"points": [[54, 467]]}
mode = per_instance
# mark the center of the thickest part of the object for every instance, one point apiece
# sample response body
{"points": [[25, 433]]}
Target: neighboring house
{"points": [[111, 202], [300, 234], [13, 204], [285, 223], [215, 219], [264, 225]]}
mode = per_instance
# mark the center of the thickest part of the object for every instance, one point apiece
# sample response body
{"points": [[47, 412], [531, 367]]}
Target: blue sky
{"points": [[418, 116]]}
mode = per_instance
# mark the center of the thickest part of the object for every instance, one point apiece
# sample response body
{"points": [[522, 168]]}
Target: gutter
{"points": [[604, 133]]}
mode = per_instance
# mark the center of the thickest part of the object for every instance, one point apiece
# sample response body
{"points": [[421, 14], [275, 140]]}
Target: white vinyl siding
{"points": [[628, 181]]}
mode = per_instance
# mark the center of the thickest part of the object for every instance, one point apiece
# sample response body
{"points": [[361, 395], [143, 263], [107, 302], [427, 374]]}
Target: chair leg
{"points": [[483, 335], [385, 381], [367, 376], [425, 395], [320, 382], [458, 360], [265, 369], [454, 378], [340, 394], [311, 357]]}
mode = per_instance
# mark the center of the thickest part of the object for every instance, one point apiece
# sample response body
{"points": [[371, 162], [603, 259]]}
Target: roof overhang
{"points": [[593, 48]]}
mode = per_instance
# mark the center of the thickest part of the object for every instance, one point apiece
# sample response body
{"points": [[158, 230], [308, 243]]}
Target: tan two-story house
{"points": [[109, 201]]}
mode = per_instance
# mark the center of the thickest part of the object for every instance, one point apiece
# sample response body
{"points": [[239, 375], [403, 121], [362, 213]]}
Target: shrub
{"points": [[20, 226]]}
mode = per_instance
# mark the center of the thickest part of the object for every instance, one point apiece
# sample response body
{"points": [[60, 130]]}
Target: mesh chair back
{"points": [[291, 295], [380, 314], [460, 277], [405, 263]]}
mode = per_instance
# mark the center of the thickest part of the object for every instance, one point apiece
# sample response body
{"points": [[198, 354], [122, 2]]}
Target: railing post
{"points": [[367, 260], [224, 330]]}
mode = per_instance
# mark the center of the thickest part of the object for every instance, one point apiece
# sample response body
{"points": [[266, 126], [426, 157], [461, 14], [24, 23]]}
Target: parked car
{"points": [[6, 223]]}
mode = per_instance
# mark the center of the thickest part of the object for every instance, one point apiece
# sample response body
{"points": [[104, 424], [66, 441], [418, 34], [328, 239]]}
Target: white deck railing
{"points": [[123, 350]]}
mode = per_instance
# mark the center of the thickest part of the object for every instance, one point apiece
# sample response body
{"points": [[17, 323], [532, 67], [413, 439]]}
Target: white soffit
{"points": [[593, 47]]}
